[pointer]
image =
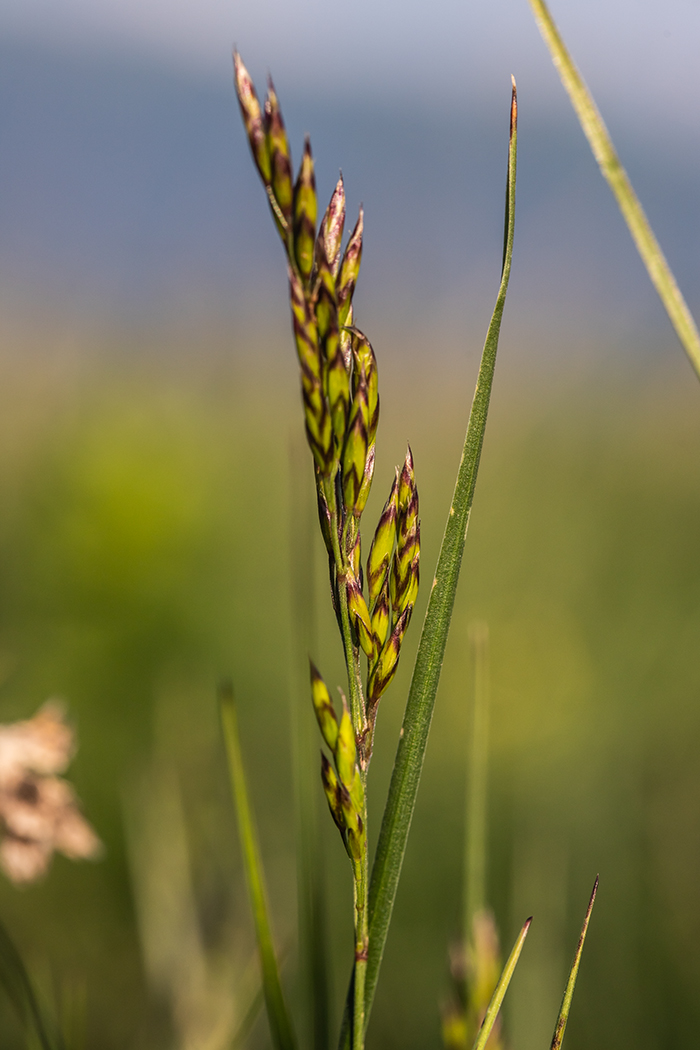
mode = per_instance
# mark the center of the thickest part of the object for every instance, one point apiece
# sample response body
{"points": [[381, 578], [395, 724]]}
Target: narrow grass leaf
{"points": [[280, 1024], [408, 764], [571, 983], [501, 989], [604, 152], [15, 980]]}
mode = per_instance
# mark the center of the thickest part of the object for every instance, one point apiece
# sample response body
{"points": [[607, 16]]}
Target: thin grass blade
{"points": [[501, 989], [280, 1024], [15, 980], [408, 764], [604, 152], [571, 983]]}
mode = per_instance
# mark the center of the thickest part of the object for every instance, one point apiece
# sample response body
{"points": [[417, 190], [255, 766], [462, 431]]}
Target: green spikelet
{"points": [[252, 118], [381, 618], [337, 378], [349, 269], [406, 560], [304, 208], [332, 791], [356, 448], [383, 544], [279, 152], [346, 749], [330, 234], [388, 661], [346, 339], [366, 485], [351, 802], [323, 706], [316, 411], [364, 359], [360, 616], [305, 332]]}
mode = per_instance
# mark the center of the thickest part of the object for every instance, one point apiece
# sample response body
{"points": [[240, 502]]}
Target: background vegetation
{"points": [[145, 551], [149, 431]]}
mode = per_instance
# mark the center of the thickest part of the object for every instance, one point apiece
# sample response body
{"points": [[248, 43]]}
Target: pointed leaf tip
{"points": [[563, 1017]]}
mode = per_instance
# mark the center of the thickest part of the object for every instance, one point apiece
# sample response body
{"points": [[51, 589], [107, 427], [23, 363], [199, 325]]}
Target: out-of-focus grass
{"points": [[144, 551]]}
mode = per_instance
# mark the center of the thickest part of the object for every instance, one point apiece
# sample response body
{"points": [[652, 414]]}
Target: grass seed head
{"points": [[359, 613], [388, 661], [323, 706], [304, 217], [305, 331], [332, 791], [364, 359], [330, 234], [345, 749], [252, 118], [279, 153], [349, 269], [383, 544], [381, 617], [356, 447], [366, 485]]}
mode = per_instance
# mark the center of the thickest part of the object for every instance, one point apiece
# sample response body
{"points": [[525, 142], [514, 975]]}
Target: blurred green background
{"points": [[145, 551], [155, 498]]}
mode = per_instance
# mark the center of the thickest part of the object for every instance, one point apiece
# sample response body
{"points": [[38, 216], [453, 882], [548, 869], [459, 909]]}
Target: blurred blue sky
{"points": [[127, 189], [634, 52]]}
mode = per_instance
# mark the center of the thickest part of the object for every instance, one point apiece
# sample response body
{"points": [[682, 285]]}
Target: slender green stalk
{"points": [[571, 983], [475, 838], [426, 673], [604, 152], [280, 1024], [361, 945], [501, 989], [310, 857], [359, 720]]}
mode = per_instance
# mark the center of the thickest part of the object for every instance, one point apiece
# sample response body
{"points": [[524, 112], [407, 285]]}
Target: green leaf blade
{"points": [[408, 764], [280, 1024], [501, 989], [563, 1017], [612, 170]]}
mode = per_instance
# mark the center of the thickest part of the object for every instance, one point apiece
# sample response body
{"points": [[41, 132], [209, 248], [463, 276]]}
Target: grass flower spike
{"points": [[340, 397]]}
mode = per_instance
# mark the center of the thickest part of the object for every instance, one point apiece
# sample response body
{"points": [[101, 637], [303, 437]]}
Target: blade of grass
{"points": [[571, 983], [280, 1024], [501, 989], [604, 152], [408, 764], [15, 980]]}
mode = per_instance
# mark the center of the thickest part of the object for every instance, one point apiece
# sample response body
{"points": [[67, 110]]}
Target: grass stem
{"points": [[604, 152]]}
